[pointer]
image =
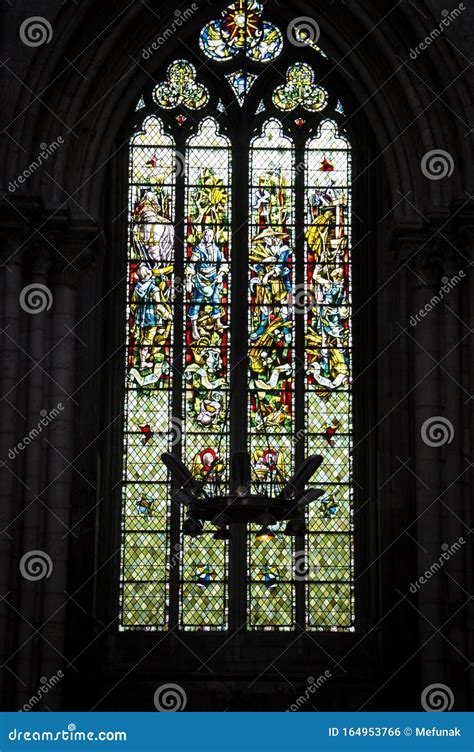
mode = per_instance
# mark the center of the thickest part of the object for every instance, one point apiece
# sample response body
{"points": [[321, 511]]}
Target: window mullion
{"points": [[299, 386], [238, 382], [177, 361]]}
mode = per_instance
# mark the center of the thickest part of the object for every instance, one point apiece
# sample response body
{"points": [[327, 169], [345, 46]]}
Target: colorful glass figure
{"points": [[242, 30], [326, 166], [148, 412], [271, 335], [203, 576], [181, 88], [288, 343], [270, 577], [207, 337], [241, 82], [300, 89], [271, 284], [328, 376], [328, 507], [145, 505]]}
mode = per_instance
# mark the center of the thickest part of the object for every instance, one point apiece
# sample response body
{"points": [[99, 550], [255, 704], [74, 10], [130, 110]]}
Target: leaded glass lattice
{"points": [[193, 279], [241, 83], [241, 30], [148, 414], [206, 367], [271, 360], [328, 377], [300, 89], [181, 88]]}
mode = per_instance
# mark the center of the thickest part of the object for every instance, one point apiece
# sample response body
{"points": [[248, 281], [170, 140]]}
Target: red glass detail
{"points": [[147, 433], [326, 166]]}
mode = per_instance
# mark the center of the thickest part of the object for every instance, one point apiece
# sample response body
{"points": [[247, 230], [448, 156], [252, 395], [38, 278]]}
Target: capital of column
{"points": [[12, 245], [77, 254], [434, 257], [38, 256]]}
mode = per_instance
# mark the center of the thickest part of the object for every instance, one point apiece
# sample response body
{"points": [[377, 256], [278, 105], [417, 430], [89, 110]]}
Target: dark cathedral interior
{"points": [[235, 396]]}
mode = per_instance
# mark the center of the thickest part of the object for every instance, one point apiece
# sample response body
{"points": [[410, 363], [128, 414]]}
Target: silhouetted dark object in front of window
{"points": [[241, 504]]}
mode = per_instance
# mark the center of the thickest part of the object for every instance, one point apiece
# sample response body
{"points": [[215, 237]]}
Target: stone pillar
{"points": [[441, 396], [423, 332], [33, 563], [63, 451], [46, 374], [456, 336], [461, 567], [11, 418]]}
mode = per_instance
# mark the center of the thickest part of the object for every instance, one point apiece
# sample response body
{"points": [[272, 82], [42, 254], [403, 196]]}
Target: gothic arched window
{"points": [[238, 329]]}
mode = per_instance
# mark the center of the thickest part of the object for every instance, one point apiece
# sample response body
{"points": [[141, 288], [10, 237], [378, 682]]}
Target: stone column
{"points": [[424, 327], [456, 337], [461, 567], [10, 424], [67, 280], [33, 558]]}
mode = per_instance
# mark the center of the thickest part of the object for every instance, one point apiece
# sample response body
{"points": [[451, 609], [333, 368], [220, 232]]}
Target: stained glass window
{"points": [[328, 376], [242, 29], [241, 83], [205, 439], [271, 359], [148, 410], [209, 299], [300, 89], [181, 88]]}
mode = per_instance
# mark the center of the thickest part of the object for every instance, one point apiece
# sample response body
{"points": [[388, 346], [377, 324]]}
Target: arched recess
{"points": [[100, 85], [104, 91]]}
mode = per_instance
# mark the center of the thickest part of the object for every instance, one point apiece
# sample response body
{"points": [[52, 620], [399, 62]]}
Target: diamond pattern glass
{"points": [[179, 349], [271, 359], [205, 437], [328, 378], [148, 417]]}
